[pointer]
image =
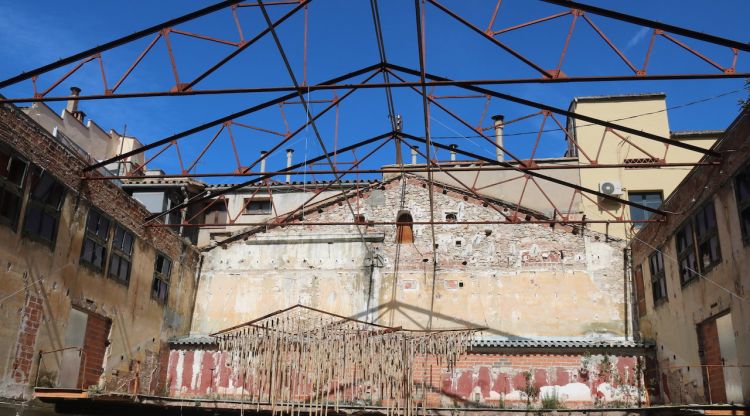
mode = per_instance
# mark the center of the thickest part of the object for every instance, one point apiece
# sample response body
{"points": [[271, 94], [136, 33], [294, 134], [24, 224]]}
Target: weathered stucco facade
{"points": [[65, 323], [696, 310]]}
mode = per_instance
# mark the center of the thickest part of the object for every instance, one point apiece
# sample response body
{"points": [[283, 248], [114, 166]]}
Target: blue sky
{"points": [[342, 39]]}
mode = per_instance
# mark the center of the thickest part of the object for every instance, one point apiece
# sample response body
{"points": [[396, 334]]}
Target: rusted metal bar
{"points": [[529, 23], [567, 113], [219, 121], [652, 24], [117, 42], [446, 166], [373, 223], [430, 83]]}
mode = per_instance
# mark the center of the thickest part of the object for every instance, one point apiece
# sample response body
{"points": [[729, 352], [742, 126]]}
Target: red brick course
{"points": [[31, 318]]}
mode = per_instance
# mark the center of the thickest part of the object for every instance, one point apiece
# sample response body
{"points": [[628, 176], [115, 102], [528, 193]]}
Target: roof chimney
{"points": [[453, 152], [289, 163], [263, 155], [499, 126], [72, 106], [414, 155]]}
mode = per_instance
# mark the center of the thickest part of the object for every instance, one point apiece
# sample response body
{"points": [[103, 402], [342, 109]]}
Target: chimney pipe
{"points": [[72, 106], [453, 152], [414, 155], [499, 126], [263, 154], [289, 163]]}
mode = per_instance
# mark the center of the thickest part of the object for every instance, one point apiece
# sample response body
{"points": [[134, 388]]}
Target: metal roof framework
{"points": [[418, 80]]}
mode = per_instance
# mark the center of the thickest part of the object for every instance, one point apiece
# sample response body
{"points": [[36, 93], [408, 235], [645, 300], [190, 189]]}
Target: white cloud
{"points": [[637, 37]]}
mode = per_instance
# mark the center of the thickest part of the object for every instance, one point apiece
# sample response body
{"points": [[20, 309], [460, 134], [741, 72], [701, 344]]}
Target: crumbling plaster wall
{"points": [[39, 284], [517, 280]]}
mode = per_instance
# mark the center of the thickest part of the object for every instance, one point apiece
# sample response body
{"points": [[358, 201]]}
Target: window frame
{"points": [[97, 240], [686, 252], [658, 277], [162, 278], [119, 252], [648, 215], [710, 233], [8, 186], [248, 201], [211, 208], [46, 209]]}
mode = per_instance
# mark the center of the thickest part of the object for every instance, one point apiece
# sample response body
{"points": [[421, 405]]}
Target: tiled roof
{"points": [[193, 340]]}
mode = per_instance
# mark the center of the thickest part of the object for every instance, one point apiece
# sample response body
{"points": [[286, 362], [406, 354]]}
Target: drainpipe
{"points": [[263, 154], [453, 152], [414, 155], [499, 126], [289, 163]]}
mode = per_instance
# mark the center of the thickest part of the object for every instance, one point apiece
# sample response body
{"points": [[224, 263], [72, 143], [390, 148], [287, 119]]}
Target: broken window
{"points": [[43, 208], [162, 269], [258, 206], [95, 243], [12, 172], [707, 235], [658, 277], [404, 228], [451, 217], [120, 260], [742, 192], [216, 213], [686, 253]]}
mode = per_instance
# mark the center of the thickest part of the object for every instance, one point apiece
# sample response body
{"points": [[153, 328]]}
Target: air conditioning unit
{"points": [[610, 188]]}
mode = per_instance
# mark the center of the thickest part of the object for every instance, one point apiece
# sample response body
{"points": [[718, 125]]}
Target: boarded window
{"points": [[43, 209], [258, 206], [162, 270], [404, 228], [12, 172], [216, 213]]}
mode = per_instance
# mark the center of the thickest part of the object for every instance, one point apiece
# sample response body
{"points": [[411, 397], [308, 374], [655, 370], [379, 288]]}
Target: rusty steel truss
{"points": [[383, 75]]}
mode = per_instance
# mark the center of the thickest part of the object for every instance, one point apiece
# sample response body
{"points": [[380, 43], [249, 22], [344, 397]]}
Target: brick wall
{"points": [[31, 317]]}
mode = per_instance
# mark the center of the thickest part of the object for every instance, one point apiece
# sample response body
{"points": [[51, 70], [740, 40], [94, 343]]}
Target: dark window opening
{"points": [[742, 192], [404, 228], [658, 276], [12, 172], [121, 259], [707, 236], [649, 199], [360, 219], [162, 270], [451, 217], [255, 206], [43, 210], [95, 243]]}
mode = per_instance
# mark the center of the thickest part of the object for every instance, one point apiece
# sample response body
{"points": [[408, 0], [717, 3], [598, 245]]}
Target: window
{"points": [[686, 253], [12, 172], [43, 209], [255, 206], [160, 287], [707, 235], [95, 242], [658, 277], [649, 199], [698, 248], [120, 259], [404, 228], [216, 213], [451, 217], [360, 219], [742, 191]]}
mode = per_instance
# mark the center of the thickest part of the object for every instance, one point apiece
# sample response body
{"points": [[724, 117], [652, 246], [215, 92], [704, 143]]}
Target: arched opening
{"points": [[405, 228]]}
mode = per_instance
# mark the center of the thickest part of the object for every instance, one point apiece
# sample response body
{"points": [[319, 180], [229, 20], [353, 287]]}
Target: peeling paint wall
{"points": [[517, 280], [40, 285], [485, 378]]}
